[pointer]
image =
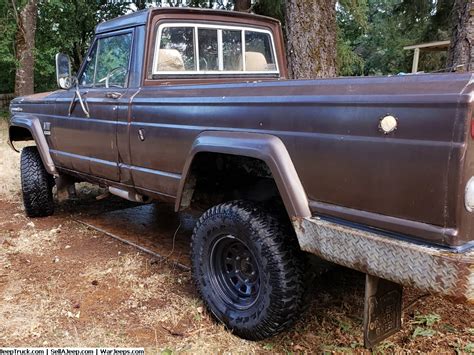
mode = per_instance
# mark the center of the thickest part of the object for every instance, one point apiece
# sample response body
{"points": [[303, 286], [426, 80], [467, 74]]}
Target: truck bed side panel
{"points": [[331, 129]]}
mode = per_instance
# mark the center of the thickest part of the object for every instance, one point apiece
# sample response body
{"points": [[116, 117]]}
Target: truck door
{"points": [[85, 133]]}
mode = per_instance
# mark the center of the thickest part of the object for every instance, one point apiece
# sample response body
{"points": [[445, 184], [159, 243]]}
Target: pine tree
{"points": [[311, 38], [461, 51], [25, 47]]}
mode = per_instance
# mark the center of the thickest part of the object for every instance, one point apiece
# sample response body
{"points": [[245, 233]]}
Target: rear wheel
{"points": [[248, 269], [36, 184]]}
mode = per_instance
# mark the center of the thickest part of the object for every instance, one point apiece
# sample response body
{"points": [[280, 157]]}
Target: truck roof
{"points": [[141, 17]]}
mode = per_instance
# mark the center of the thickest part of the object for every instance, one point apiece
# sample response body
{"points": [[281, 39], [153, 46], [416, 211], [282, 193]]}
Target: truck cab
{"points": [[136, 53]]}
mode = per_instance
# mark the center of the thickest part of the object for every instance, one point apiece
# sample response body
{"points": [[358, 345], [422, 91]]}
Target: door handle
{"points": [[113, 95]]}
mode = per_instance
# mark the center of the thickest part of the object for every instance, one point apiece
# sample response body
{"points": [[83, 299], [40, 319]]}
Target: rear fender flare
{"points": [[33, 125], [270, 149]]}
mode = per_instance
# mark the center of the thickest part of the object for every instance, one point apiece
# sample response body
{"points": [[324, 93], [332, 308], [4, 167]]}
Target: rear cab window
{"points": [[190, 49]]}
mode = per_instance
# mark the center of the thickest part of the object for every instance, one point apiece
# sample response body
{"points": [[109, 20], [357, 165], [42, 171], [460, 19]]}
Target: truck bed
{"points": [[410, 181]]}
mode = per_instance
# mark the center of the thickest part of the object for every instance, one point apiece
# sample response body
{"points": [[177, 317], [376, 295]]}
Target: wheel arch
{"points": [[267, 148], [29, 128]]}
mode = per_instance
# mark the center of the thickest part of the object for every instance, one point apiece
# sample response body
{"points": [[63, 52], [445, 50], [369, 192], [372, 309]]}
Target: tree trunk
{"points": [[242, 5], [141, 4], [461, 50], [25, 46], [311, 38]]}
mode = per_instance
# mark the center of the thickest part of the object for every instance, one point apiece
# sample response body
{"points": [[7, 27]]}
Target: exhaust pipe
{"points": [[129, 195]]}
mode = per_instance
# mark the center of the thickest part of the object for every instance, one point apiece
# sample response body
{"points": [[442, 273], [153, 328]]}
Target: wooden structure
{"points": [[5, 101], [439, 46]]}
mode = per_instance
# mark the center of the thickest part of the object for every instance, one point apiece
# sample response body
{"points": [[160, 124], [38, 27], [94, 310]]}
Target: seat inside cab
{"points": [[255, 61], [170, 60]]}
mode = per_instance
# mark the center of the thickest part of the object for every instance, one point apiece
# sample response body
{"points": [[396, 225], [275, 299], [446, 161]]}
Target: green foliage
{"points": [[469, 348], [7, 47], [423, 332], [378, 42], [268, 346], [344, 326], [4, 115], [449, 328], [271, 8], [67, 26], [348, 61], [356, 11], [383, 346], [370, 38], [427, 319]]}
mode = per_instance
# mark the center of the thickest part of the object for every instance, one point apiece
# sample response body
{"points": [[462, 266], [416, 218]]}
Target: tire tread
{"points": [[36, 184], [285, 262]]}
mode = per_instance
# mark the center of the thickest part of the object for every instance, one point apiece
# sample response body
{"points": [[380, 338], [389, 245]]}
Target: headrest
{"points": [[255, 61], [169, 60]]}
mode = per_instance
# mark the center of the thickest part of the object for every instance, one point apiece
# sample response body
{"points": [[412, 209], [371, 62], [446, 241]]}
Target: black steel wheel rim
{"points": [[234, 272]]}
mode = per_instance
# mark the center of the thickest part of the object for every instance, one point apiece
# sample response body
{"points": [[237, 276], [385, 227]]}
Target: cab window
{"points": [[258, 50], [108, 62], [208, 51], [183, 49], [176, 49], [232, 50]]}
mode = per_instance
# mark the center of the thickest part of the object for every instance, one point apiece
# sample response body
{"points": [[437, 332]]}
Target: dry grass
{"points": [[33, 241], [157, 308], [19, 318], [9, 166]]}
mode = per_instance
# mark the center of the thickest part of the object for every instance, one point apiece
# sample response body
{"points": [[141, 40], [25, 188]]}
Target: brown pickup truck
{"points": [[193, 107]]}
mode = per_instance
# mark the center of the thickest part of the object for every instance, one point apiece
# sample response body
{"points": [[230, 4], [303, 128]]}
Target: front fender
{"points": [[33, 125], [269, 149]]}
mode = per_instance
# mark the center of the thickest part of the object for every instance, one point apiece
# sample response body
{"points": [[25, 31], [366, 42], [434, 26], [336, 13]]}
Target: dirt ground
{"points": [[64, 284]]}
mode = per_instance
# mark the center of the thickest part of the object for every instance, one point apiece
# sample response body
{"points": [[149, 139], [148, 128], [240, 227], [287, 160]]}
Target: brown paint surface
{"points": [[329, 127]]}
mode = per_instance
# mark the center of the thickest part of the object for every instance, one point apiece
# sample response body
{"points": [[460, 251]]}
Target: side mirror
{"points": [[63, 71]]}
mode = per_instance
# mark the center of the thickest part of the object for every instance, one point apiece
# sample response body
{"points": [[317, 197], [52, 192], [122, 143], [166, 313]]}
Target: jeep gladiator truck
{"points": [[194, 108]]}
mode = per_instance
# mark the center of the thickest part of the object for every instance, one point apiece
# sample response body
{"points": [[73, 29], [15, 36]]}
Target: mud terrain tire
{"points": [[36, 184], [248, 269]]}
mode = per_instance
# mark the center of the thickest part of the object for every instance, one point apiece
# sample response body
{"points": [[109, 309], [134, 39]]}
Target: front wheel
{"points": [[248, 269], [36, 184]]}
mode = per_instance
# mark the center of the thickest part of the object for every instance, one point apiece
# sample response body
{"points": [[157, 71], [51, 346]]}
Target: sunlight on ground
{"points": [[9, 166]]}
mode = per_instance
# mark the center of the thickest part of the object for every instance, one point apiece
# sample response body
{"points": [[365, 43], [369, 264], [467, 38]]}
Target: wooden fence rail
{"points": [[5, 101]]}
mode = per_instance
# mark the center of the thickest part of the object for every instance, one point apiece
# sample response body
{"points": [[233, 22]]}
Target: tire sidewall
{"points": [[240, 225], [36, 184]]}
